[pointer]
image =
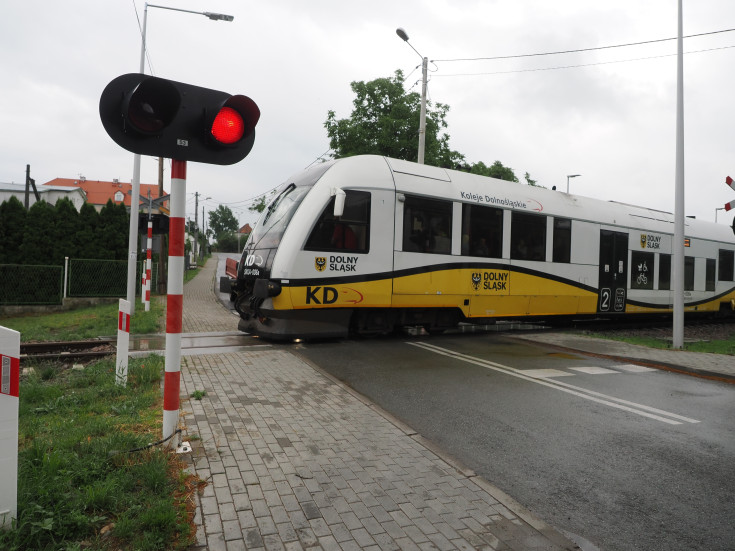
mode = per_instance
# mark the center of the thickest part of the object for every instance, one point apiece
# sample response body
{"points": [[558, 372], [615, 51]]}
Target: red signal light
{"points": [[228, 126]]}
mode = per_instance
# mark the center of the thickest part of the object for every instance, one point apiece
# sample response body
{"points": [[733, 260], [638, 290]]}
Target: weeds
{"points": [[198, 394]]}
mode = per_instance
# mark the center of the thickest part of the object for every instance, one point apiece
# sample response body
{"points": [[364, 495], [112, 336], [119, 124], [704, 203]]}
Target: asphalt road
{"points": [[621, 457]]}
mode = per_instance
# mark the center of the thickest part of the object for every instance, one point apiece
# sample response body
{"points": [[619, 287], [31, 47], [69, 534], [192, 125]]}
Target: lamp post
{"points": [[422, 119], [135, 195], [571, 176]]}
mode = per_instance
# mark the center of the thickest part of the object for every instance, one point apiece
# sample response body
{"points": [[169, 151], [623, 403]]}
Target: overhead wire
{"points": [[577, 50], [579, 65]]}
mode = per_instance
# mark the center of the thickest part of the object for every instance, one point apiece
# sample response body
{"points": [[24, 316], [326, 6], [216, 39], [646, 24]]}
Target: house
{"points": [[245, 230], [98, 192], [50, 194]]}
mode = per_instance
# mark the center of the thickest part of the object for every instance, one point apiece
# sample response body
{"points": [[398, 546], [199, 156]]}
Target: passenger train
{"points": [[366, 244]]}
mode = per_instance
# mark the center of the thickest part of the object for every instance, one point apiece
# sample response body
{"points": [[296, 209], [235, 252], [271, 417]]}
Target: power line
{"points": [[583, 49], [579, 65]]}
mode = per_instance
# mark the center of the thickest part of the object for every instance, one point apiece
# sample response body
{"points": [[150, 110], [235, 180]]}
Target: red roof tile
{"points": [[98, 192]]}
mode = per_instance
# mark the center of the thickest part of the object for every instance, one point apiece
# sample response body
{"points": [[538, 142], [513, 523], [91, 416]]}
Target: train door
{"points": [[613, 271]]}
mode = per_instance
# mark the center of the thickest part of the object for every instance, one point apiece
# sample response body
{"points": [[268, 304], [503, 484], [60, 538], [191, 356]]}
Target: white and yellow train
{"points": [[365, 244]]}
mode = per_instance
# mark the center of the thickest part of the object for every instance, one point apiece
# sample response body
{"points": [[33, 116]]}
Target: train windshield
{"points": [[275, 218]]}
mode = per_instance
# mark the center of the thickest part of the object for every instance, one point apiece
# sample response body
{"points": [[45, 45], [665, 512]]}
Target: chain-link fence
{"points": [[21, 284]]}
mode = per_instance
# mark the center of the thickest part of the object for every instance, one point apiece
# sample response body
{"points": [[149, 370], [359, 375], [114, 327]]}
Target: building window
{"points": [[664, 272], [527, 236], [641, 274], [562, 246], [482, 231], [427, 225], [119, 197], [350, 232], [727, 265]]}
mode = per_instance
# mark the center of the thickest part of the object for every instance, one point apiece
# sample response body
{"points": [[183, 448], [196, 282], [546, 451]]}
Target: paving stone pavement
{"points": [[295, 460]]}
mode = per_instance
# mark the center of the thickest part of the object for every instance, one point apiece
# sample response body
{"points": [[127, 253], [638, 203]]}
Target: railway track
{"points": [[68, 350]]}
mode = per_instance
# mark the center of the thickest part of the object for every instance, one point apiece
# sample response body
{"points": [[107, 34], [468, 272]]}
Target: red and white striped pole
{"points": [[149, 245], [9, 391], [175, 298], [123, 343]]}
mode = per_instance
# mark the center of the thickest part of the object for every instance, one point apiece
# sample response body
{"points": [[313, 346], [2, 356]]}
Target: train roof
{"points": [[472, 188]]}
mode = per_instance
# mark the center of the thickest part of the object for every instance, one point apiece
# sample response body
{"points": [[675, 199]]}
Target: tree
{"points": [[65, 231], [496, 170], [258, 205], [222, 221], [114, 231], [385, 121], [38, 236], [531, 182], [87, 237], [12, 225]]}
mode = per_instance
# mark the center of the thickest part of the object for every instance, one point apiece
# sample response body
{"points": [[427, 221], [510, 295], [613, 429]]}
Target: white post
{"points": [[678, 247], [9, 387], [66, 273], [123, 343]]}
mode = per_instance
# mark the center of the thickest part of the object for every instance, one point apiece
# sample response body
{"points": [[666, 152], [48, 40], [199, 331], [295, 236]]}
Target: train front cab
{"points": [[329, 263]]}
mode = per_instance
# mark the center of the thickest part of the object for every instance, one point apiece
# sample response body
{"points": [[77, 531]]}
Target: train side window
{"points": [[350, 232], [482, 231], [711, 267], [527, 236], [427, 225], [664, 272], [641, 273], [726, 265], [689, 273], [562, 244]]}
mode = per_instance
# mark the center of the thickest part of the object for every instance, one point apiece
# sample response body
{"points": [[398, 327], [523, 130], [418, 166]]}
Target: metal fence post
{"points": [[66, 274]]}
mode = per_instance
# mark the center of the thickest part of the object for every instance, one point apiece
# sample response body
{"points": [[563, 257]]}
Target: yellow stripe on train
{"points": [[478, 293]]}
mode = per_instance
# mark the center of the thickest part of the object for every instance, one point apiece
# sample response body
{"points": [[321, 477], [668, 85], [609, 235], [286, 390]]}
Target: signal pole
{"points": [[196, 224], [678, 247]]}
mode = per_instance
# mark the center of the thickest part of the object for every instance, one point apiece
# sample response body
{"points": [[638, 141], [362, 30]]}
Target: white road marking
{"points": [[631, 368], [544, 373], [594, 370], [611, 401]]}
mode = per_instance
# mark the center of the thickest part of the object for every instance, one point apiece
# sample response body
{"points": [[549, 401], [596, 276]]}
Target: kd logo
{"points": [[320, 263], [643, 241], [328, 295]]}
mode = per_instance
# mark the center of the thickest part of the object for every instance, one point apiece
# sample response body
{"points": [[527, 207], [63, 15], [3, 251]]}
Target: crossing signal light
{"points": [[164, 118]]}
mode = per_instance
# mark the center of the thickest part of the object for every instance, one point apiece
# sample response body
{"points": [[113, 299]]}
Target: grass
{"points": [[86, 323], [76, 478], [79, 486], [716, 346]]}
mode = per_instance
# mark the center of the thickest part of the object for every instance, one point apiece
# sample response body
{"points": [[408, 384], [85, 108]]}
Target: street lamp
{"points": [[133, 236], [422, 120], [571, 176]]}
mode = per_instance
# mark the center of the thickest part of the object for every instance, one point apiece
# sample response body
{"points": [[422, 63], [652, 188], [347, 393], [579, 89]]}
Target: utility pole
{"points": [[162, 247], [196, 223], [30, 182]]}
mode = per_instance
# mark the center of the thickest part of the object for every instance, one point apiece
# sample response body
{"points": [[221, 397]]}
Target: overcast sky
{"points": [[609, 114]]}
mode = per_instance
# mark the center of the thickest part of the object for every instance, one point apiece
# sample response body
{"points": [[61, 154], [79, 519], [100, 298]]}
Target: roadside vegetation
{"points": [[86, 476], [713, 346], [86, 323]]}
